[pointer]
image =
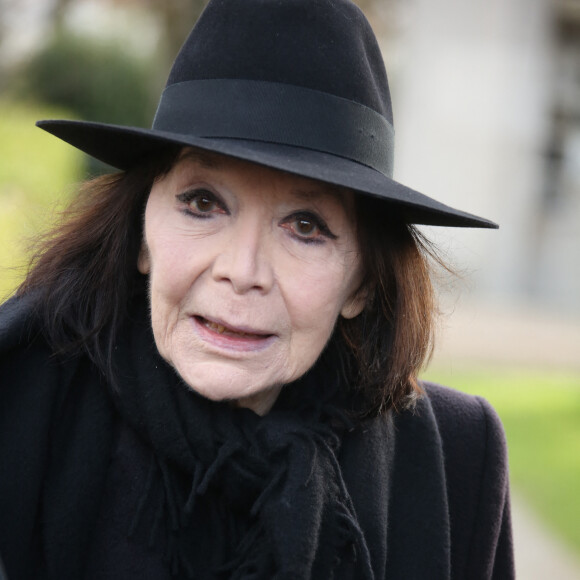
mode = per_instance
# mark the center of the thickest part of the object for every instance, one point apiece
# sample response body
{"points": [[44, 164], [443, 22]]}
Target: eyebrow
{"points": [[325, 190]]}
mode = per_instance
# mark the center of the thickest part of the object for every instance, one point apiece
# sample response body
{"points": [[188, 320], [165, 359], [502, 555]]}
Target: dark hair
{"points": [[84, 273], [392, 338]]}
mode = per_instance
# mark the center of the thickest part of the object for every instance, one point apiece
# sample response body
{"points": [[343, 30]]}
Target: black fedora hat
{"points": [[297, 85]]}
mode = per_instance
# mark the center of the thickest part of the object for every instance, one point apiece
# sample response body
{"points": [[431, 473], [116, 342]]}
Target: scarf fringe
{"points": [[253, 555]]}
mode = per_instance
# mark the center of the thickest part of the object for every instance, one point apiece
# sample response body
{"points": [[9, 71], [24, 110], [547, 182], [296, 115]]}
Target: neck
{"points": [[262, 402]]}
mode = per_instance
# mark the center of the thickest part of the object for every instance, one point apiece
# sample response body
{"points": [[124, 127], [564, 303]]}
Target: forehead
{"points": [[190, 161]]}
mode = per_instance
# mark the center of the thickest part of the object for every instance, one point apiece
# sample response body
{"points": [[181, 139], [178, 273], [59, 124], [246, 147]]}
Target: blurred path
{"points": [[512, 335], [518, 335], [539, 555]]}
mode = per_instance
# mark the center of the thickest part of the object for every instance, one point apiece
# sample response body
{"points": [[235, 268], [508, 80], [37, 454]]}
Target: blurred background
{"points": [[486, 99]]}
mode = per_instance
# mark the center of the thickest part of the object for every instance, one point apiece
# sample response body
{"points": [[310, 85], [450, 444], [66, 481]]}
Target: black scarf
{"points": [[238, 495]]}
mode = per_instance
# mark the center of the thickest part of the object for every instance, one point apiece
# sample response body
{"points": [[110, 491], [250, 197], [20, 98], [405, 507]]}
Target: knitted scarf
{"points": [[269, 489]]}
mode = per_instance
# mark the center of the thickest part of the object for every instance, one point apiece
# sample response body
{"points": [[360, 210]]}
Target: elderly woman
{"points": [[211, 368]]}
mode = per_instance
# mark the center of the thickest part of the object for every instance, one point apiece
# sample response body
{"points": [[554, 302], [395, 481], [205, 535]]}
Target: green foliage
{"points": [[97, 81], [540, 410], [36, 175]]}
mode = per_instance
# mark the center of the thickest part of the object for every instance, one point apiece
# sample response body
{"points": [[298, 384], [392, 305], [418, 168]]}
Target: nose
{"points": [[244, 259]]}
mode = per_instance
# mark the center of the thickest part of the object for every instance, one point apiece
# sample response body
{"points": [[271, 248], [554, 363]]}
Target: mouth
{"points": [[232, 332]]}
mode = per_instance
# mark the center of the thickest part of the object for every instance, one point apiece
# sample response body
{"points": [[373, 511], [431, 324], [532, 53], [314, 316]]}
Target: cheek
{"points": [[174, 255], [313, 310], [168, 270], [314, 295], [170, 282], [173, 271]]}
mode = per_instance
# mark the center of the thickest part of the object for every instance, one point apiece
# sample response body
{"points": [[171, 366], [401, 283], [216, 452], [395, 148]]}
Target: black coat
{"points": [[444, 485]]}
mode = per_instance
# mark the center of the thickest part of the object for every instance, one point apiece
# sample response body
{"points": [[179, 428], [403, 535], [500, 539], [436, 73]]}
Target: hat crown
{"points": [[324, 45]]}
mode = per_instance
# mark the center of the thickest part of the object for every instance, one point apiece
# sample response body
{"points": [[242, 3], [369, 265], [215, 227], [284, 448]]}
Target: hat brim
{"points": [[123, 147]]}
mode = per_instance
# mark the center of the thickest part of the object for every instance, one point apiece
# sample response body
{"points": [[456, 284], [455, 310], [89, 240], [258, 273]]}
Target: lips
{"points": [[234, 332]]}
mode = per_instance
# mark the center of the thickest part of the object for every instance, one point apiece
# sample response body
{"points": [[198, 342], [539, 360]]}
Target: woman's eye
{"points": [[201, 202], [308, 228]]}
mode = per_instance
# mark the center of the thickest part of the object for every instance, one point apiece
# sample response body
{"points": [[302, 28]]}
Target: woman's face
{"points": [[249, 269]]}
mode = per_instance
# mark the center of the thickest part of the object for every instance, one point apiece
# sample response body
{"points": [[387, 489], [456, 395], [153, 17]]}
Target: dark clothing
{"points": [[428, 488]]}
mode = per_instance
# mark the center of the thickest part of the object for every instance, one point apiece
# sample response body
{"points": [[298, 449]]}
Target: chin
{"points": [[222, 386]]}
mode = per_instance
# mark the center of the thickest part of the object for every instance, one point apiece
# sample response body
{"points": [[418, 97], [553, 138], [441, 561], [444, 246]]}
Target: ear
{"points": [[144, 261], [355, 304]]}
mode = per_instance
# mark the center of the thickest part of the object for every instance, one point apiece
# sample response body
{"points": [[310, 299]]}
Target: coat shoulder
{"points": [[18, 322], [458, 414], [477, 480]]}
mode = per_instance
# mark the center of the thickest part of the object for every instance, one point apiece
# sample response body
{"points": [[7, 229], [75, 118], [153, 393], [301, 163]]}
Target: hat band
{"points": [[278, 113]]}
